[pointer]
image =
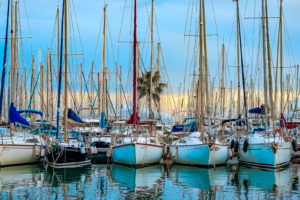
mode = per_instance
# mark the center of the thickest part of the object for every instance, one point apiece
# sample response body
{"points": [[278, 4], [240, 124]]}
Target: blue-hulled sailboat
{"points": [[138, 149]]}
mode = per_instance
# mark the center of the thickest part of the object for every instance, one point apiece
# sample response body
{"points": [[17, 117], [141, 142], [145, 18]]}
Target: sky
{"points": [[38, 21]]}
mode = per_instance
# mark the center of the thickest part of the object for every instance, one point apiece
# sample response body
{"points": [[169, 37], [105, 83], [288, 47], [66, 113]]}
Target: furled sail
{"points": [[74, 119]]}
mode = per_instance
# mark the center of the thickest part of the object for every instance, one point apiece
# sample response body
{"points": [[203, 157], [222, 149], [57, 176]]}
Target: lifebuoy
{"points": [[236, 147], [294, 145], [232, 144], [245, 146]]}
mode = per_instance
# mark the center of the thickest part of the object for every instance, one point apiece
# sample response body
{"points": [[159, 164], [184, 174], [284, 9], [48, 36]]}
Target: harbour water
{"points": [[154, 182]]}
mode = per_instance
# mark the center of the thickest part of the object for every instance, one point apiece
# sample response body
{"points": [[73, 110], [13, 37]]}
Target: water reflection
{"points": [[155, 182], [139, 183]]}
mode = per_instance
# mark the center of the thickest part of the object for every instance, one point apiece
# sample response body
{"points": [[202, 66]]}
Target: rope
{"points": [[31, 97], [28, 24]]}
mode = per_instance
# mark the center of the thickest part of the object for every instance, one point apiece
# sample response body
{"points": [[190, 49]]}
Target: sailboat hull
{"points": [[137, 154], [14, 154], [67, 157], [262, 155], [200, 155]]}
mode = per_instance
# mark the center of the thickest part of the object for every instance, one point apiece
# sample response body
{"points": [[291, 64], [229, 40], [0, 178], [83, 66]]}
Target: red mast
{"points": [[134, 66]]}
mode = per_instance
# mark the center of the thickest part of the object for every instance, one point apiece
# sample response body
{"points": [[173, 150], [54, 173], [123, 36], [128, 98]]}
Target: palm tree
{"points": [[157, 89]]}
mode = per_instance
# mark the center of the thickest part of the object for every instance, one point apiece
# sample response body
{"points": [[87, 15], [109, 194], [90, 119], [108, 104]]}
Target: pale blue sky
{"points": [[171, 17]]}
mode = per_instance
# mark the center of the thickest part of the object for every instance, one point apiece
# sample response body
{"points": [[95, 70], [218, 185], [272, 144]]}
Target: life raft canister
{"points": [[245, 146], [236, 147], [294, 145]]}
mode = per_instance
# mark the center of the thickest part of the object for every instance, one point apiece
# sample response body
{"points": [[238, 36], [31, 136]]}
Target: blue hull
{"points": [[200, 155]]}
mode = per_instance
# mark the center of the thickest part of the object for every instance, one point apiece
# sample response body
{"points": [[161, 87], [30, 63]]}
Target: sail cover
{"points": [[256, 111], [14, 116], [74, 117], [190, 127], [261, 111]]}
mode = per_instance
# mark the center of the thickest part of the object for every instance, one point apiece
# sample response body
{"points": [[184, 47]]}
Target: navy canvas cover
{"points": [[14, 116]]}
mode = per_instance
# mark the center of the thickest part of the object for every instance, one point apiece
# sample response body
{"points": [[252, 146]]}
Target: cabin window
{"points": [[182, 141], [33, 140]]}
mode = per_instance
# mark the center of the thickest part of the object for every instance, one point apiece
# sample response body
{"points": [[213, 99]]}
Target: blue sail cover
{"points": [[31, 112], [102, 120], [14, 116], [72, 115], [256, 111], [190, 127]]}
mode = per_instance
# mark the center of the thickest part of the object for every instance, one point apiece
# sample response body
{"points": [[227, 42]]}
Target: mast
{"points": [[200, 83], [20, 91], [48, 84], [281, 59], [81, 88], [134, 66], [58, 37], [33, 104], [12, 55], [99, 93], [92, 87], [238, 61], [242, 65], [264, 56], [16, 57], [158, 57], [103, 90], [277, 62], [121, 102], [66, 133], [51, 89], [158, 70], [151, 59], [25, 88], [269, 63], [117, 94], [42, 86], [4, 62], [223, 81], [205, 59]]}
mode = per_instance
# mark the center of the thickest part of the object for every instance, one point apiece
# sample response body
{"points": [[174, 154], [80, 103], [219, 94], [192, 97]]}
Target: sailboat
{"points": [[17, 145], [264, 146], [71, 152], [202, 147], [139, 149]]}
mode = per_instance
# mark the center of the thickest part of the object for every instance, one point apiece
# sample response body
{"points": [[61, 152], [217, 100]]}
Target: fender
{"points": [[245, 146]]}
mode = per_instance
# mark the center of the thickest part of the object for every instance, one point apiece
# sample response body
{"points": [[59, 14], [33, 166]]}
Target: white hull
{"points": [[16, 154]]}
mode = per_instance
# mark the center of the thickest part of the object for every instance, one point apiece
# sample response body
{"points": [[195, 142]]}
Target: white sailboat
{"points": [[21, 148], [17, 145]]}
